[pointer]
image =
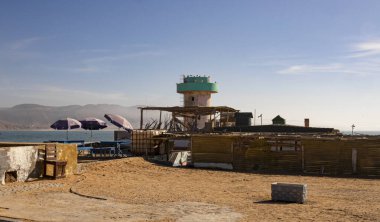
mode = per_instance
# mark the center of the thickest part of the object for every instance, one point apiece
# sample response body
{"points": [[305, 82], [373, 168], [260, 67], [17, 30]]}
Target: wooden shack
{"points": [[278, 120]]}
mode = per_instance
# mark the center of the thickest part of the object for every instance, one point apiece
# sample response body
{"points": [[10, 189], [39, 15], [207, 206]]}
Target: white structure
{"points": [[197, 91]]}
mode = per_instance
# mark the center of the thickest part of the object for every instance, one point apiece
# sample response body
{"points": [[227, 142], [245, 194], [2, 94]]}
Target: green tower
{"points": [[197, 91]]}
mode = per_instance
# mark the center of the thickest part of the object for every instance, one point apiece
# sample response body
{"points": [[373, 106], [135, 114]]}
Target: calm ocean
{"points": [[371, 133], [40, 136]]}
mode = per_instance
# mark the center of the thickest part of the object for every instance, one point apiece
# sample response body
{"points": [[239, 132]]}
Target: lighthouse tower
{"points": [[197, 91]]}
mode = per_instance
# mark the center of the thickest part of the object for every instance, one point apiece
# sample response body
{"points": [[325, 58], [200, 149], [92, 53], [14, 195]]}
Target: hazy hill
{"points": [[33, 116]]}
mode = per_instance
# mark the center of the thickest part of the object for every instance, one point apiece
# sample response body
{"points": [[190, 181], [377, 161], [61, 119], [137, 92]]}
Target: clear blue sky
{"points": [[315, 59]]}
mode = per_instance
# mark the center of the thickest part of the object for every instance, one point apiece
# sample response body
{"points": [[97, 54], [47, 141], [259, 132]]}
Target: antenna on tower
{"points": [[182, 78]]}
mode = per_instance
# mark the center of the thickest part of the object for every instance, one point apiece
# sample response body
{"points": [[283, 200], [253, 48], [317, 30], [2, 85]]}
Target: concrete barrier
{"points": [[22, 161], [289, 192]]}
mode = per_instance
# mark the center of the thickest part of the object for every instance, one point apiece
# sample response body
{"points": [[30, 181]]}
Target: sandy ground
{"points": [[133, 189]]}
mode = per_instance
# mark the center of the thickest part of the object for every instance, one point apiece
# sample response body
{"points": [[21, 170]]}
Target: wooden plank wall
{"points": [[368, 157], [292, 154], [253, 153], [142, 142], [324, 157], [335, 157], [212, 149]]}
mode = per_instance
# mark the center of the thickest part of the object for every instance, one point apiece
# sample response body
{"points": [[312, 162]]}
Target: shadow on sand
{"points": [[272, 202]]}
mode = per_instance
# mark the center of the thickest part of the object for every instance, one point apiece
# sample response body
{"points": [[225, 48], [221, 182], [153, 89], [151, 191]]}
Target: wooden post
{"points": [[354, 160], [146, 137], [141, 118], [160, 117], [228, 115], [212, 127], [196, 123], [303, 158], [173, 122]]}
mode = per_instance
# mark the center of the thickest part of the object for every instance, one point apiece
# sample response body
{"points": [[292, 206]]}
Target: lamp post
{"points": [[261, 118]]}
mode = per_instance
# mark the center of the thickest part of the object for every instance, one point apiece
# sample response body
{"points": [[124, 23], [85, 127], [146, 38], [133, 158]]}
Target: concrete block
{"points": [[20, 159], [289, 192]]}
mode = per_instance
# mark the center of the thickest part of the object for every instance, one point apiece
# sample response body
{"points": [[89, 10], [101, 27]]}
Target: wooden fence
{"points": [[330, 156], [145, 143], [217, 151]]}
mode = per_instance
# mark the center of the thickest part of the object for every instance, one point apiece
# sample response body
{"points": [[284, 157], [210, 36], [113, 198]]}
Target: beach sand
{"points": [[133, 189]]}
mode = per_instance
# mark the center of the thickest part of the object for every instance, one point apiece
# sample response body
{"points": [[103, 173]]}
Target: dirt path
{"points": [[135, 190]]}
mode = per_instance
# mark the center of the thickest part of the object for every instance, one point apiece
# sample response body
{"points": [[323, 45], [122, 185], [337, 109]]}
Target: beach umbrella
{"points": [[92, 123], [119, 121], [66, 124]]}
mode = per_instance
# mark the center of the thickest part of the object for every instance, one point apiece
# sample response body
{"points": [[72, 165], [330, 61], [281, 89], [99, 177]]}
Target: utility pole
{"points": [[353, 126], [261, 118]]}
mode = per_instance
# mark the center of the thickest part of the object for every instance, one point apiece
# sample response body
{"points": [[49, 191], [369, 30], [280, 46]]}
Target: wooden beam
{"points": [[160, 115], [141, 118]]}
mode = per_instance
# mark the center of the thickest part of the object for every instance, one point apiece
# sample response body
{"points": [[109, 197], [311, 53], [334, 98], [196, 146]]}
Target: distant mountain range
{"points": [[34, 116]]}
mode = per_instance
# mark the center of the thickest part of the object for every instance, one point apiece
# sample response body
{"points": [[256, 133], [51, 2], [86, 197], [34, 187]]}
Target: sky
{"points": [[317, 59]]}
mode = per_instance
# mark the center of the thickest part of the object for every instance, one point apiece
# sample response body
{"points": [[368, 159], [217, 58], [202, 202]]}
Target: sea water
{"points": [[358, 133], [101, 135], [41, 136]]}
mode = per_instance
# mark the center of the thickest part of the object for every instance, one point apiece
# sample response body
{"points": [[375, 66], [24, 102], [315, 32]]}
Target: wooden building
{"points": [[278, 120]]}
